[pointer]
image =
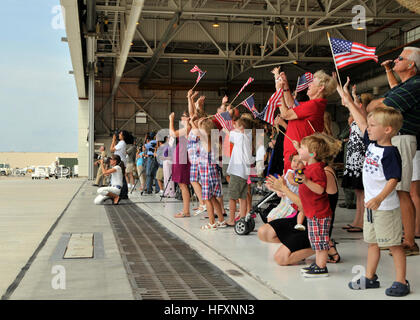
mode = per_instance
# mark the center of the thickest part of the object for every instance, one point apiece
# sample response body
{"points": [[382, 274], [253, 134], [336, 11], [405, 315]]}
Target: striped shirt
{"points": [[406, 98]]}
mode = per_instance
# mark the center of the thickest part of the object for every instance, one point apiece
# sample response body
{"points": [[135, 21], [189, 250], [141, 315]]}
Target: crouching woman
{"points": [[113, 191]]}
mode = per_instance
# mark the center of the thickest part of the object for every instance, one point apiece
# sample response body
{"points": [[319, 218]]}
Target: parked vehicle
{"points": [[5, 169], [20, 172], [41, 172]]}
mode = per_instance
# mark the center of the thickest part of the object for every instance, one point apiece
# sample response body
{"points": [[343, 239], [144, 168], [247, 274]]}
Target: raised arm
{"points": [[392, 81], [282, 83], [348, 102]]}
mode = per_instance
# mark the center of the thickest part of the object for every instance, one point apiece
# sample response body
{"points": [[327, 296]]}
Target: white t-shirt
{"points": [[260, 153], [117, 177], [381, 164], [241, 158], [121, 150]]}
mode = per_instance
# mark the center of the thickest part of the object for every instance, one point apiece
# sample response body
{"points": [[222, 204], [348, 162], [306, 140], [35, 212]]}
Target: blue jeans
{"points": [[151, 168]]}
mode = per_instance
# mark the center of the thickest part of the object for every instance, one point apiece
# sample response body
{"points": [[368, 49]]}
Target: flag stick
{"points": [[198, 80], [338, 74], [242, 101], [285, 135], [311, 125], [195, 85]]}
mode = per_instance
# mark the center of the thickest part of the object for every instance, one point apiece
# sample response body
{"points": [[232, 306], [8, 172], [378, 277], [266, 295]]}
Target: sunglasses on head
{"points": [[400, 58]]}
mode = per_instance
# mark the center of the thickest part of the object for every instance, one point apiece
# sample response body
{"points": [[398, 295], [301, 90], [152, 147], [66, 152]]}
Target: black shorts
{"points": [[293, 239]]}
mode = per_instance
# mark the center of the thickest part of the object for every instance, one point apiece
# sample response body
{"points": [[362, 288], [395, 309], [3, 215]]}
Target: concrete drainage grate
{"points": [[162, 267]]}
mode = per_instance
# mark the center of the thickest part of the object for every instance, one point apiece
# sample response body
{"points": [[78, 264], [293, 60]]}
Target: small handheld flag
{"points": [[347, 52], [200, 74], [225, 120], [274, 102], [250, 79], [304, 81], [249, 103]]}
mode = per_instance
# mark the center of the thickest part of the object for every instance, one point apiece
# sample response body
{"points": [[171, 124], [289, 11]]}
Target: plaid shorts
{"points": [[210, 181], [194, 173], [318, 232]]}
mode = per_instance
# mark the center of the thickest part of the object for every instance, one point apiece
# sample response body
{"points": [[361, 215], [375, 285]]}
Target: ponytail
{"points": [[120, 163]]}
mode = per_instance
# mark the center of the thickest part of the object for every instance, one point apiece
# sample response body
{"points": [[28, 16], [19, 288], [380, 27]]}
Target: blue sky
{"points": [[38, 97]]}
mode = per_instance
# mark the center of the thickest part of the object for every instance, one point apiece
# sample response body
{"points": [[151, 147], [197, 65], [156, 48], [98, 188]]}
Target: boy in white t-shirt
{"points": [[239, 167], [382, 227]]}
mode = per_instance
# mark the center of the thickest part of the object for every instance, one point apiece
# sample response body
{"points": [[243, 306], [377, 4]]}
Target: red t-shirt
{"points": [[312, 110], [315, 205]]}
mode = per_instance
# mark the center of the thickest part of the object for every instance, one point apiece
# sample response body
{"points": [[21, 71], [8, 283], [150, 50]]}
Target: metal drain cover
{"points": [[160, 266]]}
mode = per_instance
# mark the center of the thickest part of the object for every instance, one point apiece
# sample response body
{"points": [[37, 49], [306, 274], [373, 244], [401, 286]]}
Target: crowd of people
{"points": [[296, 156]]}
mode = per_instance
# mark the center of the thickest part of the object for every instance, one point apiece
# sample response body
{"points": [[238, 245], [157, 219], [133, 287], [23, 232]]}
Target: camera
{"points": [[107, 160], [116, 133]]}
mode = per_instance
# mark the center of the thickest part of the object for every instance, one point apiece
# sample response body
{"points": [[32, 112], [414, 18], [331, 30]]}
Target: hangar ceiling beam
{"points": [[71, 18], [129, 31]]}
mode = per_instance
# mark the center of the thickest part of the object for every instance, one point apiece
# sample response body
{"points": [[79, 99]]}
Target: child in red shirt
{"points": [[316, 150]]}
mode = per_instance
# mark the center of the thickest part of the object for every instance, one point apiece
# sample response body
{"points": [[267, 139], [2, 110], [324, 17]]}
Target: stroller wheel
{"points": [[242, 227]]}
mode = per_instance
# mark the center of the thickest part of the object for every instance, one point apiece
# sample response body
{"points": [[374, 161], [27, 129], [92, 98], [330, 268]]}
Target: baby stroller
{"points": [[270, 200]]}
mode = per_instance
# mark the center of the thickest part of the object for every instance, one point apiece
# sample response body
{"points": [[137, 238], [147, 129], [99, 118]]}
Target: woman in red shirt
{"points": [[307, 114]]}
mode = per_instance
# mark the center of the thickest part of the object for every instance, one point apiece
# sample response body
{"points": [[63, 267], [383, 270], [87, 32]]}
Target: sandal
{"points": [[398, 289], [222, 224], [209, 226], [355, 229], [331, 258], [200, 210], [348, 226], [182, 215]]}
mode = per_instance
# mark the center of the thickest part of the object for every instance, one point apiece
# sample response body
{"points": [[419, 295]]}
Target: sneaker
{"points": [[161, 192], [365, 283], [316, 272], [306, 269], [300, 227], [398, 289]]}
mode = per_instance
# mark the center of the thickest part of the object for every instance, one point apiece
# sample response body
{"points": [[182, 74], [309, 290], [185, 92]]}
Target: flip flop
{"points": [[348, 226], [181, 215], [355, 229]]}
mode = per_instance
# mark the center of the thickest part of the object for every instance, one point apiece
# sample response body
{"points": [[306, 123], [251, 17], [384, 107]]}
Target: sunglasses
{"points": [[400, 58]]}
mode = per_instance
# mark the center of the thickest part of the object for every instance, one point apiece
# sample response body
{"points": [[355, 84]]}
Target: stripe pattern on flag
{"points": [[250, 79], [225, 120], [347, 52], [304, 81], [274, 102], [200, 73], [249, 103]]}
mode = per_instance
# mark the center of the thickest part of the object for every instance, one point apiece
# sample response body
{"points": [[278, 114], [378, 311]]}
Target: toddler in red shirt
{"points": [[316, 150]]}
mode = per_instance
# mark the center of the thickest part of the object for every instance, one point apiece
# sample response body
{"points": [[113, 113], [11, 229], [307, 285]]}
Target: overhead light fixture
{"points": [[185, 60], [216, 23], [131, 43], [137, 23]]}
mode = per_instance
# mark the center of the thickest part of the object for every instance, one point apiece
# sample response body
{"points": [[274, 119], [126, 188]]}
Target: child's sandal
{"points": [[222, 224], [209, 226]]}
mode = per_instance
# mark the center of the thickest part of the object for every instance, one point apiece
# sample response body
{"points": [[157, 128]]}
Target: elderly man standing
{"points": [[405, 97], [100, 178]]}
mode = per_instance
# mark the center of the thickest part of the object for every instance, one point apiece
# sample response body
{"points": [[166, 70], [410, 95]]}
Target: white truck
{"points": [[41, 172], [5, 169]]}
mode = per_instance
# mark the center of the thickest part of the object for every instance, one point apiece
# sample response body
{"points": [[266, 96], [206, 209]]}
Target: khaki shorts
{"points": [[386, 228], [130, 168], [159, 174], [238, 188], [407, 146], [416, 167]]}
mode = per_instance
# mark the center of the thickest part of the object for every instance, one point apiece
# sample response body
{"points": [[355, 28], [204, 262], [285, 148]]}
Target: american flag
{"points": [[200, 73], [347, 52], [225, 120], [304, 81], [247, 83], [249, 103], [274, 102]]}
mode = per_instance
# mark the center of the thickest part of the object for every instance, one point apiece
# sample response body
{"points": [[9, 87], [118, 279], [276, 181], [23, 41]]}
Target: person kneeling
{"points": [[113, 191]]}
